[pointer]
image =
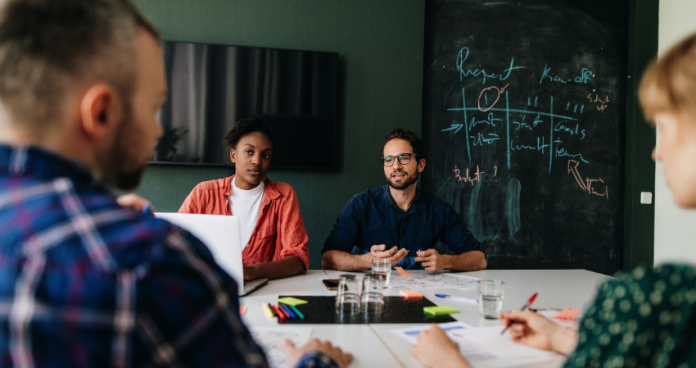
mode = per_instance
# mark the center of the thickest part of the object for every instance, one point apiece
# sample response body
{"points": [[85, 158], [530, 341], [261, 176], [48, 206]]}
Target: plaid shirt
{"points": [[87, 283]]}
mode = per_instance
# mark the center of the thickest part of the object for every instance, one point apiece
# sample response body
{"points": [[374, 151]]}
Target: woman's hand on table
{"points": [[294, 353], [532, 329], [435, 349]]}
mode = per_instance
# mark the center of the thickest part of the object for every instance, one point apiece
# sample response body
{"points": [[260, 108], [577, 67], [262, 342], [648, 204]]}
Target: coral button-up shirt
{"points": [[279, 230]]}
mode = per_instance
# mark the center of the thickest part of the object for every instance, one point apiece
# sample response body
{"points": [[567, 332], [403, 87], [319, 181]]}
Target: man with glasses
{"points": [[399, 221]]}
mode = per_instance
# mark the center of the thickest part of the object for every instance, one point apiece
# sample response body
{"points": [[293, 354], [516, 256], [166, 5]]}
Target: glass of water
{"points": [[372, 294], [372, 289], [490, 295], [382, 266], [348, 295]]}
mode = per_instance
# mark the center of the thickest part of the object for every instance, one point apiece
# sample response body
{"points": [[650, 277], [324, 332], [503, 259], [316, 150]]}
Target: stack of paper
{"points": [[270, 338], [434, 280], [483, 347]]}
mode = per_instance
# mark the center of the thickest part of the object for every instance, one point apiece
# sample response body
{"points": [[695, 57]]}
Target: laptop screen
{"points": [[222, 235]]}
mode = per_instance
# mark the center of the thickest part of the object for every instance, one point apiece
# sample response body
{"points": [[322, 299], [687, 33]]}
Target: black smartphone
{"points": [[331, 284]]}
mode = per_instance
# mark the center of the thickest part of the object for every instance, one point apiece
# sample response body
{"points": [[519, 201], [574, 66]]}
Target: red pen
{"points": [[524, 307], [280, 314]]}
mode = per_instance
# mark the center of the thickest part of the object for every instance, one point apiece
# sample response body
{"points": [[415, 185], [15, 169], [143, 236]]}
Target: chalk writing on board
{"points": [[601, 104], [474, 176], [464, 54], [552, 129], [545, 144], [586, 185], [512, 92], [485, 95], [455, 127], [584, 77]]}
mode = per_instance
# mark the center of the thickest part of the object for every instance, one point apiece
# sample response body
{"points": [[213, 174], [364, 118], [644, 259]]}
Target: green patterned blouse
{"points": [[645, 318]]}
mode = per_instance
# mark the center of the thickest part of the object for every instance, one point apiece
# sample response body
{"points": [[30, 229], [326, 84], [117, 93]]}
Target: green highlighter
{"points": [[439, 310]]}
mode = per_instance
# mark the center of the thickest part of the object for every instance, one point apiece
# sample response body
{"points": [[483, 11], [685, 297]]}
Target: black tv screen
{"points": [[211, 87]]}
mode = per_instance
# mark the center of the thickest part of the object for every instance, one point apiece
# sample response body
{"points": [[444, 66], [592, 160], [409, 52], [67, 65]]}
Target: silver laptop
{"points": [[222, 235]]}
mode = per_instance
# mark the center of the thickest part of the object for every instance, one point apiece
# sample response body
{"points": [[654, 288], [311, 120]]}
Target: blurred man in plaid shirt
{"points": [[87, 280]]}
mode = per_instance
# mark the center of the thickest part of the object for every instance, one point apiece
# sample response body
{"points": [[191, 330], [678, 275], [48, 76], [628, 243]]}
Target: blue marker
{"points": [[146, 211], [288, 310]]}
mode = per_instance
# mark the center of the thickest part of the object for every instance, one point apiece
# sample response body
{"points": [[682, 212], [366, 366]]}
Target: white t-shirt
{"points": [[246, 204]]}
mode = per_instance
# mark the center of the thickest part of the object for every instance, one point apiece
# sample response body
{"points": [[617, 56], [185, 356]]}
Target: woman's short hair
{"points": [[669, 82], [244, 127]]}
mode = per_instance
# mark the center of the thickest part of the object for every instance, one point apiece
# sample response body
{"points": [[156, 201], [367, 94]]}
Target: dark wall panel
{"points": [[380, 47]]}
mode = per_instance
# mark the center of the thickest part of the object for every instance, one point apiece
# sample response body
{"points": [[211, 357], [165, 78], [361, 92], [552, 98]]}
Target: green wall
{"points": [[380, 46]]}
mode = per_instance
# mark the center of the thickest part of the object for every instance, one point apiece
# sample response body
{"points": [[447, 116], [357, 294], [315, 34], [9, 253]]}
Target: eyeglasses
{"points": [[404, 159]]}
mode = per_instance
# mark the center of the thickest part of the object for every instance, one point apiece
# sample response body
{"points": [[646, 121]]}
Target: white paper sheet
{"points": [[483, 347], [269, 338], [434, 280]]}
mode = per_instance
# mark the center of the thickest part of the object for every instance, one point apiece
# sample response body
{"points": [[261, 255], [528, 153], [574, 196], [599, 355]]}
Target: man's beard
{"points": [[121, 170], [405, 183], [129, 179]]}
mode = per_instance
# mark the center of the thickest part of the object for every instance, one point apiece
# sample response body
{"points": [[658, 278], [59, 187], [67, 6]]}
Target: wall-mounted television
{"points": [[212, 86]]}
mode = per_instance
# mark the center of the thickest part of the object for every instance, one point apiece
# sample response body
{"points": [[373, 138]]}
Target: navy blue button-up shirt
{"points": [[371, 218]]}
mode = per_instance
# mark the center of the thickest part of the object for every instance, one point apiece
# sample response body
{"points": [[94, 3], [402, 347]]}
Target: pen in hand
{"points": [[146, 210], [524, 307]]}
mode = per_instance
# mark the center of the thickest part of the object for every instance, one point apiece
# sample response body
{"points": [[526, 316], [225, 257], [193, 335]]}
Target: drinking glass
{"points": [[382, 266], [372, 300], [490, 295], [373, 286], [348, 294]]}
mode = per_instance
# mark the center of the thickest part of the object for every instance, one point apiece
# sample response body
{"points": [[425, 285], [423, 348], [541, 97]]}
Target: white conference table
{"points": [[374, 346]]}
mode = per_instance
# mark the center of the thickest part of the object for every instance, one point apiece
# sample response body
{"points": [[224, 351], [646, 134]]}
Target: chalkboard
{"points": [[523, 118]]}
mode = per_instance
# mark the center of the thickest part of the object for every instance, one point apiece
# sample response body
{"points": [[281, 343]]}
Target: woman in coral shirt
{"points": [[273, 234]]}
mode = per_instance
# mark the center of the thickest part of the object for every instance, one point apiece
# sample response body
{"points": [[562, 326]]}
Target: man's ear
{"points": [[100, 111], [233, 155], [421, 165]]}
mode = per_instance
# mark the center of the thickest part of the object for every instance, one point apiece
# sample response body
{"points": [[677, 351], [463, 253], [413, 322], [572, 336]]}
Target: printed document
{"points": [[483, 347], [270, 338], [434, 280]]}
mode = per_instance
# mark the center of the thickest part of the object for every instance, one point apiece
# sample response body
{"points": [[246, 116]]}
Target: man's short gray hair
{"points": [[48, 47]]}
